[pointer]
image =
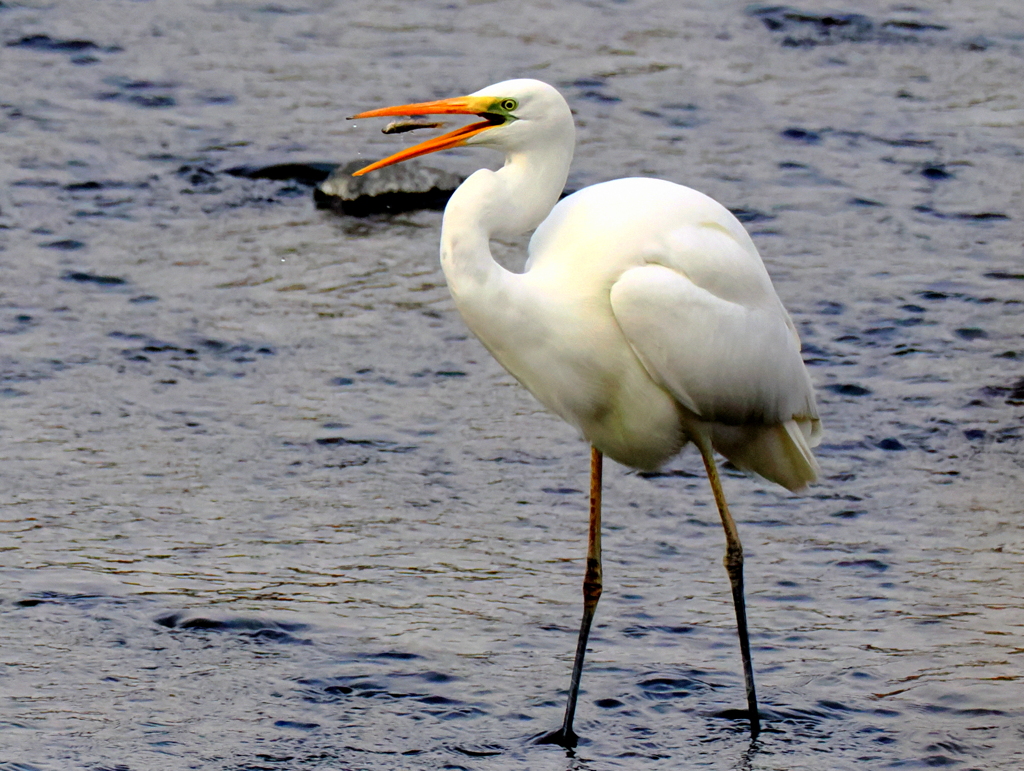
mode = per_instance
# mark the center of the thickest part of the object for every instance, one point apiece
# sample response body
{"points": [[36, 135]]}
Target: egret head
{"points": [[517, 114]]}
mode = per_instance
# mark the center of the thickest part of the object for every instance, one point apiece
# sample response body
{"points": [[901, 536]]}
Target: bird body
{"points": [[644, 315]]}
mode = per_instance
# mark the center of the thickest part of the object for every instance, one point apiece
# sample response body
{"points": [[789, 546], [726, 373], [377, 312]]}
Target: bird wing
{"points": [[703, 318]]}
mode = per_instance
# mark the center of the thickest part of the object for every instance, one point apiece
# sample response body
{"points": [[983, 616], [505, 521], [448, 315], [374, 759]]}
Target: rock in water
{"points": [[390, 190]]}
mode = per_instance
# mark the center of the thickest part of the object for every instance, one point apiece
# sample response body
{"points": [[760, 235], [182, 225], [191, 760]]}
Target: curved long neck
{"points": [[508, 202]]}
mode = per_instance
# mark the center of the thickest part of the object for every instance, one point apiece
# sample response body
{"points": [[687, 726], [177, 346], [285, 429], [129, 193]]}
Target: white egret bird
{"points": [[644, 317]]}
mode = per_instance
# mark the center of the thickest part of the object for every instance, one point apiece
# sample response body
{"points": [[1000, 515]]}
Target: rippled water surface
{"points": [[267, 505]]}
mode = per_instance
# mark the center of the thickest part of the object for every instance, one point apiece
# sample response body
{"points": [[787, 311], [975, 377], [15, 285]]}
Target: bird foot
{"points": [[559, 737]]}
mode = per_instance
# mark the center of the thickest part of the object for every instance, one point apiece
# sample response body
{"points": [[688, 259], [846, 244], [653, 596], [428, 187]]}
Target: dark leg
{"points": [[565, 736], [734, 567]]}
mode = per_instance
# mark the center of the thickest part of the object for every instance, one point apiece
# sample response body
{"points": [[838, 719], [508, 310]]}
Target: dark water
{"points": [[267, 506]]}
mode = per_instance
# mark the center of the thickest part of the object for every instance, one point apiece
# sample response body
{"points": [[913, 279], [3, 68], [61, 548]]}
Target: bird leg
{"points": [[592, 586], [734, 567]]}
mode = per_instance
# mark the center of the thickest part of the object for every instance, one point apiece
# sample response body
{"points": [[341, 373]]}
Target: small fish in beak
{"points": [[412, 124]]}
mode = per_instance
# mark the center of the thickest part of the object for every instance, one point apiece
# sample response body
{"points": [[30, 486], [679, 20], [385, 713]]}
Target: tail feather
{"points": [[781, 453]]}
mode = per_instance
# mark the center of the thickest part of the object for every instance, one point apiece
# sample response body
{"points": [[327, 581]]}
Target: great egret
{"points": [[644, 317]]}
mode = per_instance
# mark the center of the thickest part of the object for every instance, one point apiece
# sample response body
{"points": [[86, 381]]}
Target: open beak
{"points": [[460, 105]]}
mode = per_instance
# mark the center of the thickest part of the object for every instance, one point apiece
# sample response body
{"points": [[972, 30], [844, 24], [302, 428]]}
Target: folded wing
{"points": [[704, 320]]}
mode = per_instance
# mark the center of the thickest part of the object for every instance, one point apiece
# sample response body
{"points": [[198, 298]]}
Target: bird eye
{"points": [[509, 104]]}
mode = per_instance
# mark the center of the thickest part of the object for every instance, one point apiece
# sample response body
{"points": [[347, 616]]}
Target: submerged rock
{"points": [[390, 190]]}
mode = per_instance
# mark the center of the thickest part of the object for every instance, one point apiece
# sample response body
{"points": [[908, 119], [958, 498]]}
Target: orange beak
{"points": [[460, 105]]}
